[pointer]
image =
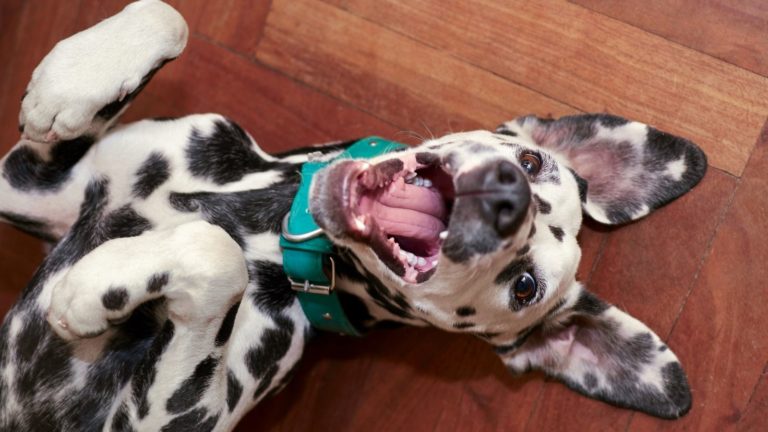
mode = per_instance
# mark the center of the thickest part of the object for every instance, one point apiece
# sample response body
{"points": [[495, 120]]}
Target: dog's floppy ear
{"points": [[630, 168], [604, 353]]}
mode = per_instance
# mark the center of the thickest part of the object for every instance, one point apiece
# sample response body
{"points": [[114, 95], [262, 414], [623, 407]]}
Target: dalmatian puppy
{"points": [[163, 304]]}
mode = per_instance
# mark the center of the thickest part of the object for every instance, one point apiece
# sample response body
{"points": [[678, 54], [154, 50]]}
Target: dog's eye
{"points": [[525, 288], [531, 163]]}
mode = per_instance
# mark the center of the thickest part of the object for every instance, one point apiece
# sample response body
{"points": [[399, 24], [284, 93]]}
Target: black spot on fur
{"points": [[245, 212], [543, 206], [557, 232], [155, 171], [30, 226], [425, 158], [554, 309], [676, 387], [533, 231], [146, 370], [115, 298], [113, 108], [121, 422], [157, 282], [590, 381], [394, 302], [589, 304], [463, 325], [124, 222], [194, 420], [234, 390], [272, 347], [465, 311], [423, 277], [192, 389], [505, 131], [225, 331], [583, 186], [273, 292], [266, 382], [226, 155], [663, 348], [25, 169]]}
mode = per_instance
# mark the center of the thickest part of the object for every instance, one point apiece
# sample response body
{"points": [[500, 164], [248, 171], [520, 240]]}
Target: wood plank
{"points": [[278, 112], [721, 336], [732, 30], [757, 412], [647, 269], [404, 82], [407, 379], [581, 58], [236, 24]]}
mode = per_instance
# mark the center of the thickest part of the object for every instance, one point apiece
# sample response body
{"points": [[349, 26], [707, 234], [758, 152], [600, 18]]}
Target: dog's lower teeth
{"points": [[443, 235], [421, 262]]}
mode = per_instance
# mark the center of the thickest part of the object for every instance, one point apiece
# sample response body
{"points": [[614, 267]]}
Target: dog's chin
{"points": [[399, 208]]}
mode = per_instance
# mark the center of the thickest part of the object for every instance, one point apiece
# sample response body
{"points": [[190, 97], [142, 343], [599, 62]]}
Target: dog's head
{"points": [[476, 232]]}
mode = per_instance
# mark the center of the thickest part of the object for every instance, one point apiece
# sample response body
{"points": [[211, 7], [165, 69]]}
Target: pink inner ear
{"points": [[566, 347]]}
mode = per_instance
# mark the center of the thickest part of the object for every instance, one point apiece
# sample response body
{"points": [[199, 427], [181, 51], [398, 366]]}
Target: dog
{"points": [[164, 305]]}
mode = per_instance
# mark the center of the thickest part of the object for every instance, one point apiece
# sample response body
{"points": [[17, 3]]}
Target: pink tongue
{"points": [[407, 211]]}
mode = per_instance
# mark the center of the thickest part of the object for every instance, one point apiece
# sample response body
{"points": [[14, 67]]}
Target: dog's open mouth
{"points": [[401, 208]]}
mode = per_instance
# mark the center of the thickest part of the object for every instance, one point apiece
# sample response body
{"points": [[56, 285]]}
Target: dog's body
{"points": [[167, 302]]}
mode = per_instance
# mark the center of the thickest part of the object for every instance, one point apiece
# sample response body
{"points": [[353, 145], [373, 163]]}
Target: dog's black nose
{"points": [[504, 197]]}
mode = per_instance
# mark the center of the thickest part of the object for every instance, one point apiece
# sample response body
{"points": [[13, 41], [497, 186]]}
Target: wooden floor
{"points": [[297, 72]]}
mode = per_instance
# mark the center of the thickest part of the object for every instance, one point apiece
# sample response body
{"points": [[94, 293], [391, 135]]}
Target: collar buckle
{"points": [[309, 287]]}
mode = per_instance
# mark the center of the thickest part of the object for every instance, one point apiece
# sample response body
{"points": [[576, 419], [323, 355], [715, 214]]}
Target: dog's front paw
{"points": [[95, 72], [83, 307]]}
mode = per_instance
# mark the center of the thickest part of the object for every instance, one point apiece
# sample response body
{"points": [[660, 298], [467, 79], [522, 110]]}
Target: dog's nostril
{"points": [[506, 219], [507, 173]]}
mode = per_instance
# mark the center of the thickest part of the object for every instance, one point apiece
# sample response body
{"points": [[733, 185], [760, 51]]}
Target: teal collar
{"points": [[306, 249]]}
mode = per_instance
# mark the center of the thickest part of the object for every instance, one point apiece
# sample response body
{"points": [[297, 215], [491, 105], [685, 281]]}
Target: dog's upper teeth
{"points": [[410, 176], [443, 235], [360, 223]]}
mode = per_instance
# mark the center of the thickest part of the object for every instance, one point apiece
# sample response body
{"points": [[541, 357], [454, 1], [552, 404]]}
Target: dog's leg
{"points": [[88, 79], [76, 93], [201, 272]]}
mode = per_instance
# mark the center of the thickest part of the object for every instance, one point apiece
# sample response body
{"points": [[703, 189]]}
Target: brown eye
{"points": [[531, 163], [525, 288]]}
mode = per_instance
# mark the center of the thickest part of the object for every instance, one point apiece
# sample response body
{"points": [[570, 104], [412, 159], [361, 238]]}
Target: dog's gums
{"points": [[401, 208]]}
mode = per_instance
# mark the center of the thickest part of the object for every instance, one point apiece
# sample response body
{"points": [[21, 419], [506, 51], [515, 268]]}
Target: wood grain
{"points": [[589, 62], [732, 30], [404, 82]]}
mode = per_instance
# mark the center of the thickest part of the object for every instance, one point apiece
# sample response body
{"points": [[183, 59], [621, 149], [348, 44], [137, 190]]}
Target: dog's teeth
{"points": [[427, 183], [410, 176], [421, 262], [443, 235], [403, 254], [411, 259], [360, 223]]}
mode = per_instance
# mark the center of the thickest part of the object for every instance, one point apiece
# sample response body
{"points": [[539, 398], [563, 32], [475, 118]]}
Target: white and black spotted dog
{"points": [[164, 306]]}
